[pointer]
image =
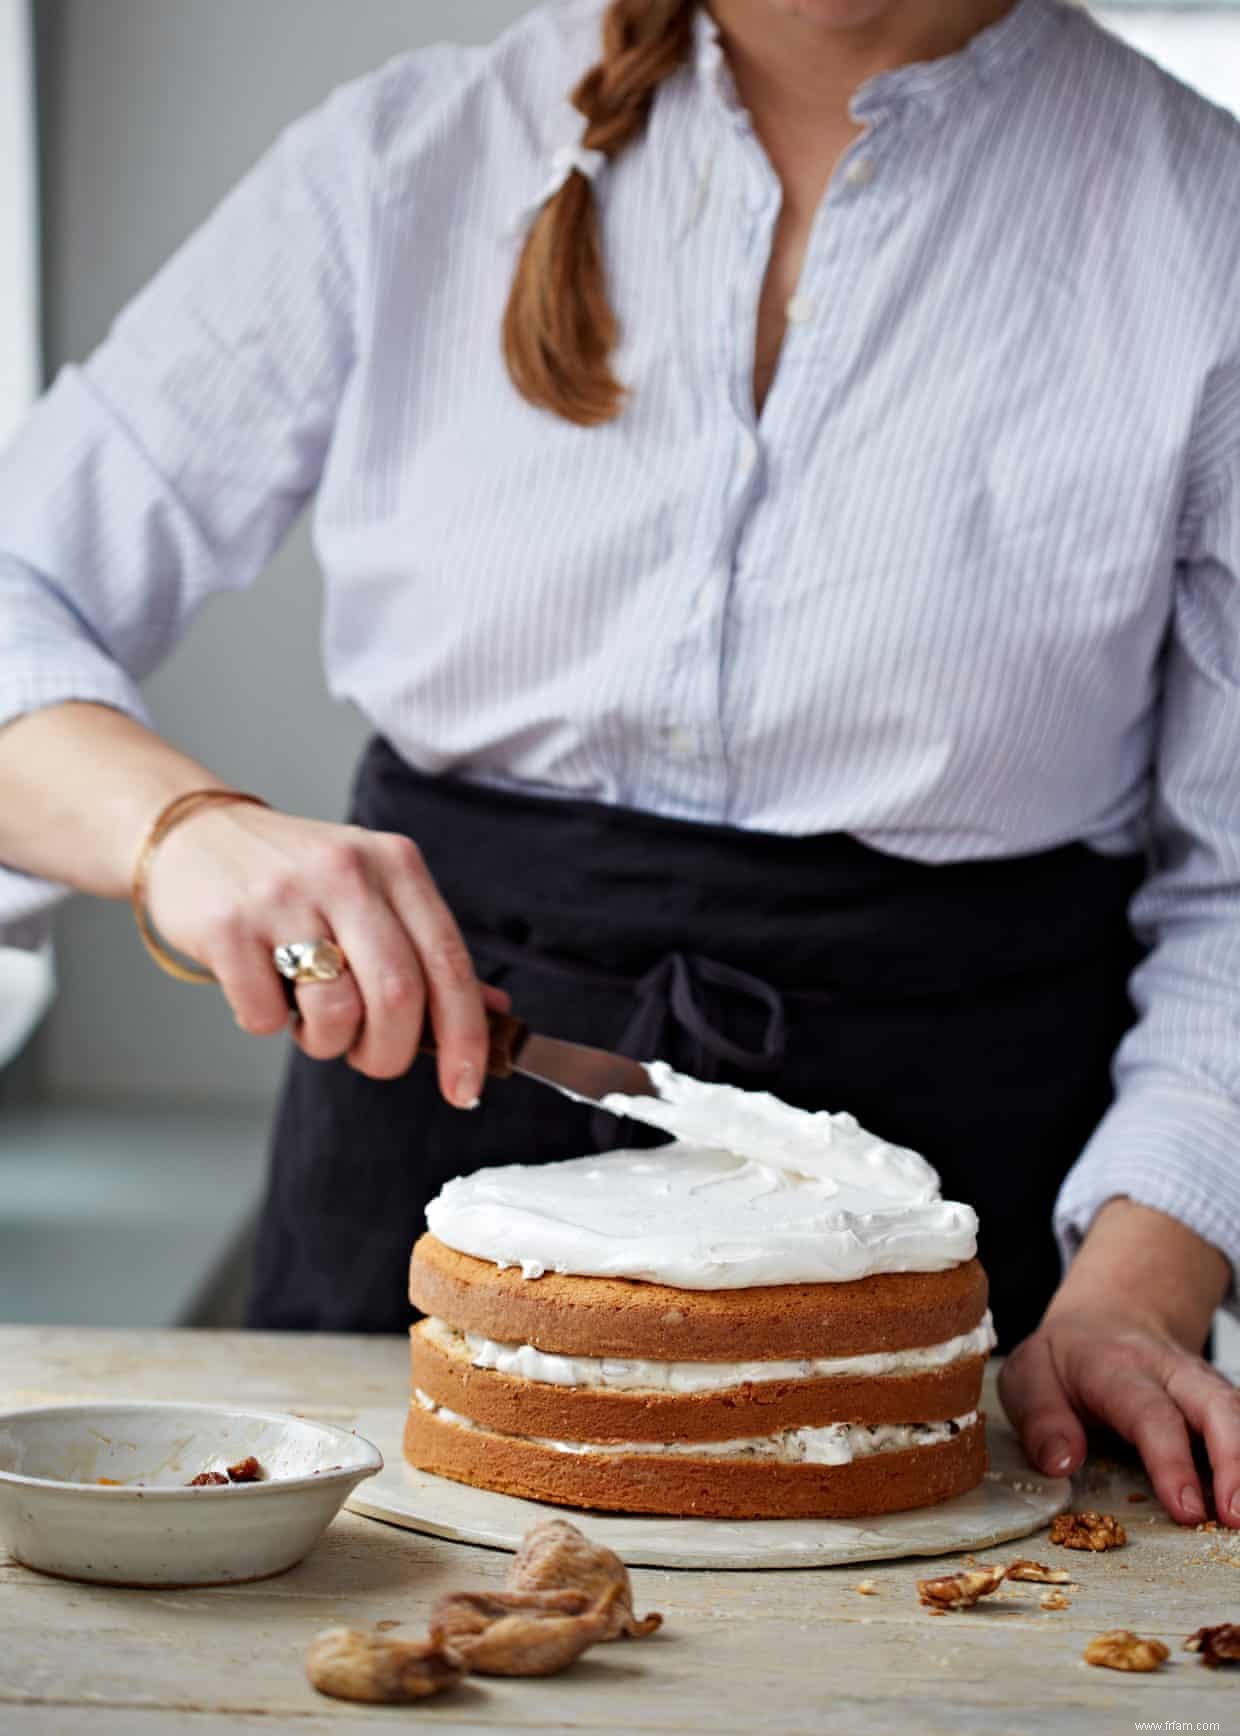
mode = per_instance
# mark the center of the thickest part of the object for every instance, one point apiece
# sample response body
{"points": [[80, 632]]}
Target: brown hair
{"points": [[559, 327]]}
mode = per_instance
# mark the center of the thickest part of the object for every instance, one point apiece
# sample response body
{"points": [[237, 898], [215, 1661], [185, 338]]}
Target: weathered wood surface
{"points": [[741, 1653]]}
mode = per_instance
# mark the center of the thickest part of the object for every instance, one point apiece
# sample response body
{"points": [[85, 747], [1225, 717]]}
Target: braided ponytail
{"points": [[559, 327]]}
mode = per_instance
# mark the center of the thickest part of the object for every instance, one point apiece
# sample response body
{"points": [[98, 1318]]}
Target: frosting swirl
{"points": [[751, 1191]]}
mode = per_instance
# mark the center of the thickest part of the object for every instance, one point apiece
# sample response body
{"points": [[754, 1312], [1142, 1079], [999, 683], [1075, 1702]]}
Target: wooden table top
{"points": [[740, 1654]]}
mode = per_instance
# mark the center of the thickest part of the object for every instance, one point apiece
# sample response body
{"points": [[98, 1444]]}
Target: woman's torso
{"points": [[922, 598]]}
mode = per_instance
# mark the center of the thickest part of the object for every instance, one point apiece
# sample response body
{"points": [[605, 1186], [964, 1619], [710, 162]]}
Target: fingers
{"points": [[331, 1016], [389, 980], [331, 1012], [373, 894], [1212, 1406], [1040, 1410], [454, 993], [1139, 1383], [1132, 1398], [242, 964], [1156, 1427]]}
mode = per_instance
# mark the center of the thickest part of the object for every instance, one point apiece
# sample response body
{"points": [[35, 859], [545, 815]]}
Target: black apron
{"points": [[969, 1010]]}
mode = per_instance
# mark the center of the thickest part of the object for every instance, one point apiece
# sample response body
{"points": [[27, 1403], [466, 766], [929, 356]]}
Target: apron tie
{"points": [[670, 996]]}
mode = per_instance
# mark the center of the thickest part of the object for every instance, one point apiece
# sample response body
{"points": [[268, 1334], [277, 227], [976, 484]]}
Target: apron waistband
{"points": [[700, 927]]}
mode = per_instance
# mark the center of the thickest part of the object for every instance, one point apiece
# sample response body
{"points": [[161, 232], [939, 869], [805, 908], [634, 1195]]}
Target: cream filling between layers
{"points": [[833, 1444], [639, 1374]]}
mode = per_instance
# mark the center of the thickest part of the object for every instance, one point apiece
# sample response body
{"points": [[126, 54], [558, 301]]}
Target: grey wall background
{"points": [[150, 110]]}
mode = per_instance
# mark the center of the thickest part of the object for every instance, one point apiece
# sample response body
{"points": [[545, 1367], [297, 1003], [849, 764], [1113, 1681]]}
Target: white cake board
{"points": [[1012, 1501]]}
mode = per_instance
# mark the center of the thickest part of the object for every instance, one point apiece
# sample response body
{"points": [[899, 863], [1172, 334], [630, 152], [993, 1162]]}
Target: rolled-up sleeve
{"points": [[1171, 1140], [171, 464]]}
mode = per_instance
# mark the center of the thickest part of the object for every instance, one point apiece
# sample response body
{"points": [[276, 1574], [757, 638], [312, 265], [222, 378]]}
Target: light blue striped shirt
{"points": [[967, 588]]}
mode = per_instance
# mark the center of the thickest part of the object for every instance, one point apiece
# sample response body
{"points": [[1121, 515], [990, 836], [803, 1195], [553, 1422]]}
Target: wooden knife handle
{"points": [[506, 1034]]}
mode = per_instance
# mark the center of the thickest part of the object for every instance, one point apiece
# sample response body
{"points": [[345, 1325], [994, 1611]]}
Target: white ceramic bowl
{"points": [[56, 1516]]}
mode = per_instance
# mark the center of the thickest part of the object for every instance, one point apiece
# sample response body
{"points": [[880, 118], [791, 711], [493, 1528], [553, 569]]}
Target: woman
{"points": [[780, 511]]}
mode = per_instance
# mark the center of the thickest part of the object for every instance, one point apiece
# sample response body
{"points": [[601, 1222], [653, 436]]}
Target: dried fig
{"points": [[520, 1633], [350, 1665], [555, 1556]]}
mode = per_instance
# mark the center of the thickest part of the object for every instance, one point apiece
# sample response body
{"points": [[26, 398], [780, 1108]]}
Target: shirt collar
{"points": [[928, 84]]}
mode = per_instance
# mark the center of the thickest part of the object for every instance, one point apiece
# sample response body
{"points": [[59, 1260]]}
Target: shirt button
{"points": [[801, 309], [679, 740], [860, 172], [749, 454]]}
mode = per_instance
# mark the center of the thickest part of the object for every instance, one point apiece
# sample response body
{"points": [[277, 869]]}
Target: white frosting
{"points": [[752, 1192], [834, 1444], [834, 1150], [638, 1374]]}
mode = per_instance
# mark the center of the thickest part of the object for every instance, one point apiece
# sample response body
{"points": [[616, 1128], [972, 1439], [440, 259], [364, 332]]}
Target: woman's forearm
{"points": [[1150, 1265], [79, 785], [79, 788]]}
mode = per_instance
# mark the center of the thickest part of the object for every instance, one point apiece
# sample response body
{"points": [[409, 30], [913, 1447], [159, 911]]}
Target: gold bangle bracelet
{"points": [[164, 822]]}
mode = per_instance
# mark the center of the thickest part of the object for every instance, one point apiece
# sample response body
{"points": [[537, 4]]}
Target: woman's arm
{"points": [[169, 466], [80, 785], [1152, 1209], [166, 468]]}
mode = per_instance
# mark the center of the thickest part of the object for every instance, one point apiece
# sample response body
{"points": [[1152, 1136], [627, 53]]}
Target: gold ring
{"points": [[309, 961]]}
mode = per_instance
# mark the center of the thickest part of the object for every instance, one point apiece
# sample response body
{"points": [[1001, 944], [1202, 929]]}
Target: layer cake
{"points": [[784, 1321]]}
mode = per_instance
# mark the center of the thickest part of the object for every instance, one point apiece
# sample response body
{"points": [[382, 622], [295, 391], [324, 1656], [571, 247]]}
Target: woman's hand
{"points": [[1119, 1346], [231, 883]]}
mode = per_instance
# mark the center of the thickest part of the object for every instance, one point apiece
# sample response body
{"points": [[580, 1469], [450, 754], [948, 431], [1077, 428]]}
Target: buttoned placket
{"points": [[739, 214], [732, 540]]}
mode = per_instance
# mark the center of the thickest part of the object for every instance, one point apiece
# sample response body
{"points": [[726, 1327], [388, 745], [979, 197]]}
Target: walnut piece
{"points": [[520, 1633], [555, 1556], [1120, 1649], [1088, 1531], [349, 1665], [1055, 1600], [207, 1480], [1039, 1574], [1217, 1645], [248, 1471], [960, 1590]]}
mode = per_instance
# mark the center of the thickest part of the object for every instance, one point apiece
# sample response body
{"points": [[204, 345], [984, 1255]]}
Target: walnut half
{"points": [[350, 1665], [1088, 1531], [959, 1590], [1216, 1645], [247, 1471], [1120, 1649], [1039, 1574]]}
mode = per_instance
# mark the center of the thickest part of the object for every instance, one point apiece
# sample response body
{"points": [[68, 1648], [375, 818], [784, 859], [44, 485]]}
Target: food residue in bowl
{"points": [[245, 1471]]}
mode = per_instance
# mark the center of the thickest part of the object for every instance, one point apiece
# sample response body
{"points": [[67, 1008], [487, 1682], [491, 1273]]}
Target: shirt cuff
{"points": [[1167, 1146], [87, 676]]}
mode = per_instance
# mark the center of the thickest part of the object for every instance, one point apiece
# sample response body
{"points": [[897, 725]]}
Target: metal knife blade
{"points": [[578, 1071]]}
